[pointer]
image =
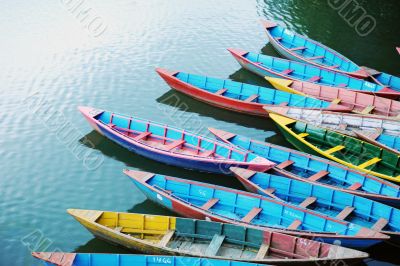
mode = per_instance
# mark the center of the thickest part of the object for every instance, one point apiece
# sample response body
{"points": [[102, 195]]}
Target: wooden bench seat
{"points": [[355, 186], [285, 164], [342, 85], [297, 48], [303, 135], [307, 202], [335, 149], [345, 213], [370, 162], [209, 204], [251, 215], [317, 176], [174, 144], [380, 224], [336, 101], [368, 109], [220, 92], [314, 79], [251, 98], [294, 225], [142, 135], [214, 246], [166, 238], [287, 71], [262, 252], [207, 153]]}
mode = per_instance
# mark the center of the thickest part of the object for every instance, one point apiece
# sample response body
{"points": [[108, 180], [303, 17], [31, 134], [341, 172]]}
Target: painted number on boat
{"points": [[162, 260]]}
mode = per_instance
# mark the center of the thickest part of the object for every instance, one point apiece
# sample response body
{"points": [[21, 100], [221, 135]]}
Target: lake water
{"points": [[52, 61]]}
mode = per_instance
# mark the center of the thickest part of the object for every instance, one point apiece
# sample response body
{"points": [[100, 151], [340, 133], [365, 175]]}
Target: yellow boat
{"points": [[166, 235], [346, 150]]}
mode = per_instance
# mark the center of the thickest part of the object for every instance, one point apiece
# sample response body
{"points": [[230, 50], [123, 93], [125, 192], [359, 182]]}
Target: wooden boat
{"points": [[167, 235], [349, 151], [171, 145], [205, 201], [239, 97], [316, 170], [99, 259], [359, 102], [355, 209], [384, 133], [300, 48], [264, 65]]}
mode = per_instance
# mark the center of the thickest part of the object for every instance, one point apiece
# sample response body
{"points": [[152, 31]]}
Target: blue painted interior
{"points": [[330, 202], [389, 80], [241, 91], [389, 141], [305, 72], [312, 48]]}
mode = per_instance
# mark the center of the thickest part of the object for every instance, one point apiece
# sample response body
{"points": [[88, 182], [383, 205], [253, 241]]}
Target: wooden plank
{"points": [[307, 202], [342, 126], [262, 252], [214, 246], [220, 92], [208, 153], [209, 204], [367, 109], [355, 186], [283, 104], [251, 215], [314, 79], [118, 229], [342, 85], [335, 66], [287, 71], [251, 98], [370, 162], [294, 225], [174, 144], [335, 149], [303, 135], [297, 48], [317, 176], [380, 224], [345, 213], [166, 238], [285, 164], [336, 101], [269, 190], [142, 135]]}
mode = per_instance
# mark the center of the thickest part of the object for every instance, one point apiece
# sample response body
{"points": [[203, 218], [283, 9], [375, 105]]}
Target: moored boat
{"points": [[264, 65], [316, 170], [300, 48], [354, 153], [99, 259], [167, 235], [171, 145], [345, 206], [382, 132], [239, 97], [359, 102], [205, 201]]}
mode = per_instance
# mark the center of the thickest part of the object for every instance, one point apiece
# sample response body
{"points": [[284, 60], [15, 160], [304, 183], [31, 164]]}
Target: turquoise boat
{"points": [[328, 201]]}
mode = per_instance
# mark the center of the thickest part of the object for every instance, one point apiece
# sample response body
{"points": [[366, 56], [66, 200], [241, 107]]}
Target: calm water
{"points": [[47, 55]]}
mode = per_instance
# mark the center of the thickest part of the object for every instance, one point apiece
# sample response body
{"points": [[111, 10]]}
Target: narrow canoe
{"points": [[264, 65], [171, 145], [354, 209], [99, 259], [315, 170], [300, 48], [359, 102], [239, 97], [354, 153], [384, 133], [210, 202], [167, 235]]}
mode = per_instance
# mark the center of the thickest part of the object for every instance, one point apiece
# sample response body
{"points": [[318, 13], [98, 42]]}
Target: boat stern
{"points": [[56, 258], [237, 53], [221, 134], [267, 24], [283, 85], [165, 73], [140, 176]]}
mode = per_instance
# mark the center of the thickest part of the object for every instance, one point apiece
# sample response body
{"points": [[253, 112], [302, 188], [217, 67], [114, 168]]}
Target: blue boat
{"points": [[205, 201], [171, 145], [98, 259], [269, 66], [240, 97], [345, 206], [312, 169]]}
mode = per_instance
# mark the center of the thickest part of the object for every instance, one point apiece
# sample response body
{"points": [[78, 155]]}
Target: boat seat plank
{"points": [[283, 104], [166, 238], [142, 135], [269, 190], [111, 125], [380, 224], [342, 126], [314, 79], [368, 109], [287, 71], [342, 85], [307, 202], [297, 48], [370, 162], [207, 153], [174, 144], [251, 215], [220, 92], [336, 101], [262, 252], [294, 225], [285, 164], [303, 135], [317, 176], [118, 229], [316, 57], [215, 245], [335, 149], [93, 215], [251, 98], [355, 186], [209, 204], [345, 213], [335, 66]]}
